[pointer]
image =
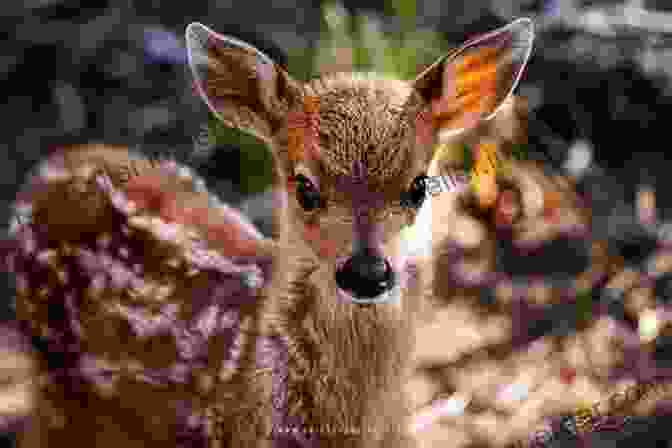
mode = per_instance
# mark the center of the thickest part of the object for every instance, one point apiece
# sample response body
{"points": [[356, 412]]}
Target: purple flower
{"points": [[163, 46]]}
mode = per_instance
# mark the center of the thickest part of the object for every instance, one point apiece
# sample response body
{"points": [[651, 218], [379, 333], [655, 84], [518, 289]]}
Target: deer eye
{"points": [[306, 193], [415, 195]]}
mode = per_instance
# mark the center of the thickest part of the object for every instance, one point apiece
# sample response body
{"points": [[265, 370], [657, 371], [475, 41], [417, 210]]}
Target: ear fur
{"points": [[472, 83], [241, 85]]}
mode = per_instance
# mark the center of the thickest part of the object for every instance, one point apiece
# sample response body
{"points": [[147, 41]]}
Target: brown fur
{"points": [[341, 377], [131, 413]]}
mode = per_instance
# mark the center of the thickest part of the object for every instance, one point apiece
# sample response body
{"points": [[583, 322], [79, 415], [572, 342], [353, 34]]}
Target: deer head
{"points": [[348, 146]]}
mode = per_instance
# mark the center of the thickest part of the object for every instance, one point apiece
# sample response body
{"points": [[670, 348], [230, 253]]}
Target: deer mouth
{"points": [[366, 279]]}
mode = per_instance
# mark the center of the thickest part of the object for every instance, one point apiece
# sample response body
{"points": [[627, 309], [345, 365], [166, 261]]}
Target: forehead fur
{"points": [[367, 118]]}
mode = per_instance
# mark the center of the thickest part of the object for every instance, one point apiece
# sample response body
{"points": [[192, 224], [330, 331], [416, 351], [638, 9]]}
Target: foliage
{"points": [[256, 162], [397, 51]]}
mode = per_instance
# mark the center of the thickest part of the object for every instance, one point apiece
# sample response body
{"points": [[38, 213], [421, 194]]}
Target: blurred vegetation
{"points": [[256, 161], [392, 45]]}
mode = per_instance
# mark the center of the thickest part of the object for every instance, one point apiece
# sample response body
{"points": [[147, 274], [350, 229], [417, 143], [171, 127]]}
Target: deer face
{"points": [[352, 145]]}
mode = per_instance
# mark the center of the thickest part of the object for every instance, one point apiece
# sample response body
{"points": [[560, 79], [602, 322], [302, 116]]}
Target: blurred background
{"points": [[598, 86]]}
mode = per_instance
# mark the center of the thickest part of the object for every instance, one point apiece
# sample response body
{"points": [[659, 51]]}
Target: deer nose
{"points": [[365, 274]]}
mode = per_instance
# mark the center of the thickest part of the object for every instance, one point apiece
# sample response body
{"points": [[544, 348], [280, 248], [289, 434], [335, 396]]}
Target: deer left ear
{"points": [[242, 86], [472, 83]]}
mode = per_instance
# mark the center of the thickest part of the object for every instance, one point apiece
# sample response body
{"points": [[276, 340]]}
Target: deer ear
{"points": [[473, 82], [241, 85]]}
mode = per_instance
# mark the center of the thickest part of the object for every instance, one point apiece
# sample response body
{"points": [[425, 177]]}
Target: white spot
{"points": [[513, 392], [596, 20], [252, 280], [649, 325], [580, 158], [184, 173], [24, 208], [54, 174], [199, 186], [17, 221], [450, 407]]}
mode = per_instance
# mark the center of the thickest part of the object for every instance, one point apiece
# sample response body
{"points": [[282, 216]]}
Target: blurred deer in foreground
{"points": [[136, 284]]}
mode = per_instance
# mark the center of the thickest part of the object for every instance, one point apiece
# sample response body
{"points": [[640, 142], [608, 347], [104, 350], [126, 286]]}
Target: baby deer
{"points": [[350, 146], [136, 287]]}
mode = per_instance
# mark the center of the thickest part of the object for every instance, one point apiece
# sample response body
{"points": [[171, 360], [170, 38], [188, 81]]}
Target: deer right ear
{"points": [[241, 85], [473, 82]]}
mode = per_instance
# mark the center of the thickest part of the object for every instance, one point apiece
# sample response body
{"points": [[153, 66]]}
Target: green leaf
{"points": [[256, 161], [371, 45], [519, 151], [468, 158], [256, 167], [584, 306], [336, 17], [301, 61], [407, 11]]}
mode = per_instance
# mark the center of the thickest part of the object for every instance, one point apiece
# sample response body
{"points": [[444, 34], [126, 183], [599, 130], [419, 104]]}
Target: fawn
{"points": [[326, 345], [350, 145]]}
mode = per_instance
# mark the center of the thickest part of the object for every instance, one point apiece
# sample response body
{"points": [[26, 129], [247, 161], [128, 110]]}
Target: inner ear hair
{"points": [[242, 86], [473, 82]]}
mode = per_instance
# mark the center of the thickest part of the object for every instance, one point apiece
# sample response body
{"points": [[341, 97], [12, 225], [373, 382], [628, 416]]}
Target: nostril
{"points": [[368, 267], [366, 275]]}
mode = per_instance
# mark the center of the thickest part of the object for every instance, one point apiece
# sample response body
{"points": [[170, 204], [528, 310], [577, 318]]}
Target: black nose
{"points": [[365, 275]]}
